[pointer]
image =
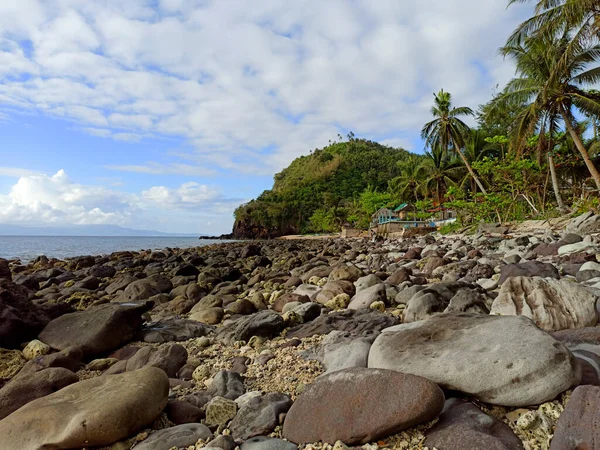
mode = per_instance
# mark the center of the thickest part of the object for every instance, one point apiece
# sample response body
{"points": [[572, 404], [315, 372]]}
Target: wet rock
{"points": [[552, 304], [259, 415], [463, 426], [96, 330], [95, 412], [332, 408], [464, 352]]}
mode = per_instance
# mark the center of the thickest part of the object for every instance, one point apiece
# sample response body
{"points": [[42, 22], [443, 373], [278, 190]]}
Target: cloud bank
{"points": [[250, 84]]}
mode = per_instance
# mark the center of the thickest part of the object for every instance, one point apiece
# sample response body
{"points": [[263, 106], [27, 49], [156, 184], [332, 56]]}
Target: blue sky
{"points": [[167, 114]]}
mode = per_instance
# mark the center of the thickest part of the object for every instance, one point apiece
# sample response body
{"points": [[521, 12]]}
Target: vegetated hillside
{"points": [[332, 177]]}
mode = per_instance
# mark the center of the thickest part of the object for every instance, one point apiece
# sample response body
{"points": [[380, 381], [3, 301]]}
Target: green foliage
{"points": [[450, 228], [331, 180]]}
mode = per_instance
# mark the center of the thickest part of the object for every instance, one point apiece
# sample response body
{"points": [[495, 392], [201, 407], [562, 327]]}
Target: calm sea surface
{"points": [[28, 247]]}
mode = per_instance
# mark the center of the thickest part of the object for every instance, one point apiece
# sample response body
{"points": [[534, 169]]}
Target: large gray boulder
{"points": [[96, 330], [553, 305], [502, 360], [177, 436]]}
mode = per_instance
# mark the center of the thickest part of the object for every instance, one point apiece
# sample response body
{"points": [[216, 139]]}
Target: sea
{"points": [[27, 248]]}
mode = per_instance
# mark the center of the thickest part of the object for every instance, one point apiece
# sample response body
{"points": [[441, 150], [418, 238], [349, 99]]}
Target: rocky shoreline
{"points": [[484, 341]]}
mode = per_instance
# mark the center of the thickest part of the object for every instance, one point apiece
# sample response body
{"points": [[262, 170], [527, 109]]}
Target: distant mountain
{"points": [[83, 230]]}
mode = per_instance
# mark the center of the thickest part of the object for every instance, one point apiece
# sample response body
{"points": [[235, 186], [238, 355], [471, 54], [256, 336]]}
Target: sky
{"points": [[168, 114]]}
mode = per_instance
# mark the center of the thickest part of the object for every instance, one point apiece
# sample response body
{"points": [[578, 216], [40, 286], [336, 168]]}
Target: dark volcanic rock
{"points": [[96, 330], [20, 319], [463, 426], [333, 407]]}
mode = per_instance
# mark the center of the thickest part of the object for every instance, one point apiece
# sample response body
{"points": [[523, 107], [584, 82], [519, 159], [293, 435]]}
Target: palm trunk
{"points": [[471, 171], [579, 144], [555, 187]]}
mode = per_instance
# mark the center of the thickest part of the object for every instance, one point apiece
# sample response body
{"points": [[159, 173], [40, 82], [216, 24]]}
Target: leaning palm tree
{"points": [[447, 131], [552, 88], [412, 174]]}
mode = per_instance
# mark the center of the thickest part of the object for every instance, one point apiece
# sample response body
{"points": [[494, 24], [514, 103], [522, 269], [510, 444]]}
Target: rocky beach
{"points": [[486, 340]]}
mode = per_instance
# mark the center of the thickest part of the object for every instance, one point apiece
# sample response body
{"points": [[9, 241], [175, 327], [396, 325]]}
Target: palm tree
{"points": [[555, 16], [552, 88], [447, 131], [412, 174], [442, 171]]}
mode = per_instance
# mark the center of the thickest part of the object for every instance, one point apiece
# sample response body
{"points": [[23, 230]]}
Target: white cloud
{"points": [[37, 199], [266, 74], [15, 172]]}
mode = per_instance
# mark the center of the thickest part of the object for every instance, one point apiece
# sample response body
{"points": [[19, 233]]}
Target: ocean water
{"points": [[29, 247]]}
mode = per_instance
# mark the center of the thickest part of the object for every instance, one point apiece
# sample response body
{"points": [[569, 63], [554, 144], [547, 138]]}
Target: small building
{"points": [[348, 231], [382, 216]]}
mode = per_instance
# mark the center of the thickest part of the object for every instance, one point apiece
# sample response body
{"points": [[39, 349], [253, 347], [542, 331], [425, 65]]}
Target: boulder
{"points": [[552, 304], [333, 407], [528, 269], [263, 323], [20, 319], [174, 329], [360, 322], [168, 358], [502, 360], [368, 296], [463, 426], [22, 390], [346, 273], [178, 436], [92, 413], [227, 384], [586, 223], [341, 350], [259, 415], [96, 330], [577, 427], [267, 443], [578, 247]]}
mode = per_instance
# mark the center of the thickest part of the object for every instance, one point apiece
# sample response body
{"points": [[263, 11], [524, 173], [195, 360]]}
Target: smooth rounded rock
{"points": [[333, 407], [177, 436], [463, 426], [577, 427], [95, 412], [267, 443], [502, 360]]}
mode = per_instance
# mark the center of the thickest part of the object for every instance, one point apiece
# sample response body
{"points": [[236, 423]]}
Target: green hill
{"points": [[320, 191]]}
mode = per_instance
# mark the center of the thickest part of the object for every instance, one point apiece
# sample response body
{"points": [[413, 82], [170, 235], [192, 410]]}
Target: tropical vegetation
{"points": [[533, 153]]}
